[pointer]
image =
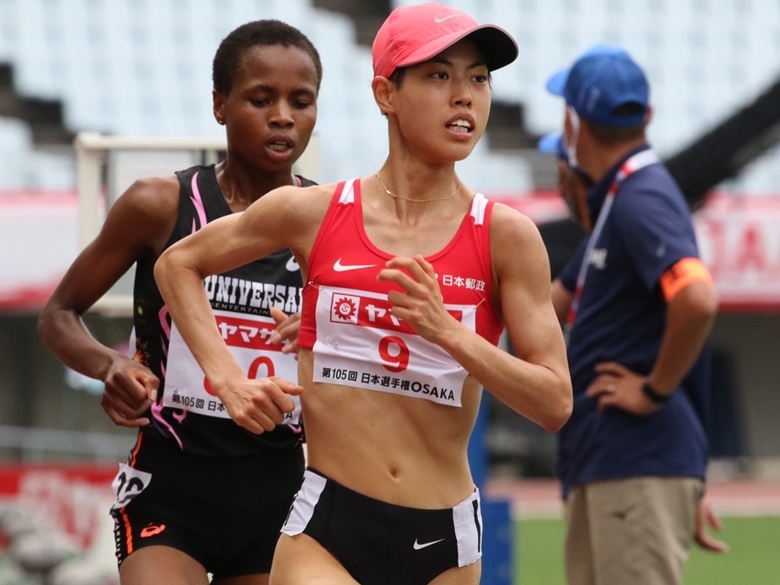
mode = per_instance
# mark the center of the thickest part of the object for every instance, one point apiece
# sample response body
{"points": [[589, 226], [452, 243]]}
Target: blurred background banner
{"points": [[739, 238], [65, 498], [740, 241]]}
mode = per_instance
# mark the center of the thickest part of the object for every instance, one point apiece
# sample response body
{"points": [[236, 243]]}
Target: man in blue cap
{"points": [[573, 182], [638, 305]]}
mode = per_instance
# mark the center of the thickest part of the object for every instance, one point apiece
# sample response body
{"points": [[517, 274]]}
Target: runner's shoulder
{"points": [[301, 199]]}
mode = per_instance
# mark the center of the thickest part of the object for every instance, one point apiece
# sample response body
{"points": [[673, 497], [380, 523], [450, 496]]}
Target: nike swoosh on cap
{"points": [[419, 546], [339, 267], [439, 20]]}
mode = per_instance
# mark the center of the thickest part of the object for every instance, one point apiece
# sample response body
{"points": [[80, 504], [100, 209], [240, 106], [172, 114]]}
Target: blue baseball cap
{"points": [[600, 81], [553, 143]]}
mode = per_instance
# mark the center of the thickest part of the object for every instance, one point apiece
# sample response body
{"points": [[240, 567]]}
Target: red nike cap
{"points": [[416, 33]]}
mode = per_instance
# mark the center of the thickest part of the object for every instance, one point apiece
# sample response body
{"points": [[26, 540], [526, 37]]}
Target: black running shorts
{"points": [[224, 513], [385, 544]]}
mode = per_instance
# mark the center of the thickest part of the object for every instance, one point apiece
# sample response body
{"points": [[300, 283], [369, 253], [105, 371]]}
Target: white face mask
{"points": [[571, 145]]}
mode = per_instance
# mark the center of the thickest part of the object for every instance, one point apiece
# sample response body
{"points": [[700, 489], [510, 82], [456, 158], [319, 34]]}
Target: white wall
{"points": [[752, 341]]}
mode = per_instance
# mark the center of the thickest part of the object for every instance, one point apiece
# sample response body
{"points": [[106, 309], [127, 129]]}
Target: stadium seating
{"points": [[704, 58], [21, 165], [142, 67]]}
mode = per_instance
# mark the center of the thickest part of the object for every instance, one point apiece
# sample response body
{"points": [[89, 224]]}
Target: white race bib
{"points": [[128, 483], [247, 338], [360, 343]]}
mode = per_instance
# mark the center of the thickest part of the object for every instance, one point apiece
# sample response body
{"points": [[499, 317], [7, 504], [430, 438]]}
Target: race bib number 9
{"points": [[247, 338], [361, 343]]}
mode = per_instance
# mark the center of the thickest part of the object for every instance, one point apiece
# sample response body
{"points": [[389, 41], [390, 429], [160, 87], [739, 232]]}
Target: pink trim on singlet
{"points": [[157, 409], [197, 201], [162, 315]]}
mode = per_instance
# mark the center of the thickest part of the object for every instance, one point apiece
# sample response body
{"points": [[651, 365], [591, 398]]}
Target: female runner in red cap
{"points": [[410, 278]]}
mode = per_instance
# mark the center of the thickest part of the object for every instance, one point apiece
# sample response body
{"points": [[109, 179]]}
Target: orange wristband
{"points": [[681, 274]]}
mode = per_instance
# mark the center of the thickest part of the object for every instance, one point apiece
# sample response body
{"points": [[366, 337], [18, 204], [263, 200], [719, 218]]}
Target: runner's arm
{"points": [[536, 384], [275, 221], [561, 299], [140, 220]]}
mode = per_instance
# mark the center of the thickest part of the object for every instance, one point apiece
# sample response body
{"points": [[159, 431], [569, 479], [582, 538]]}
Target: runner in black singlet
{"points": [[200, 494]]}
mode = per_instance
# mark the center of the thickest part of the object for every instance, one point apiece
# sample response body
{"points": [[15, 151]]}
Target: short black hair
{"points": [[397, 76], [258, 33], [612, 135]]}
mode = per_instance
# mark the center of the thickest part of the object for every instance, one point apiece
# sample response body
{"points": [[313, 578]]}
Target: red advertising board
{"points": [[739, 238], [74, 500]]}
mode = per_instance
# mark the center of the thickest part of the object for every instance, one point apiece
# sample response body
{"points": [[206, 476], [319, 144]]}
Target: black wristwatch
{"points": [[653, 394]]}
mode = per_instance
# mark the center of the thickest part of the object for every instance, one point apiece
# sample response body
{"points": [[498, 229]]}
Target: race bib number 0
{"points": [[247, 338]]}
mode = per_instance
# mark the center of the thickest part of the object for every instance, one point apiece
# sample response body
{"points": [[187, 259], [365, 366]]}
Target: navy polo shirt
{"points": [[621, 317]]}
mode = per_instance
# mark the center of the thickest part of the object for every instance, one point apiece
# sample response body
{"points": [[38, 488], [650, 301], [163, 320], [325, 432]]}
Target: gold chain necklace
{"points": [[394, 196]]}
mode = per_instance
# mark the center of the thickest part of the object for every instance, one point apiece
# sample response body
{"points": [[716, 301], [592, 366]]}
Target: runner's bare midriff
{"points": [[392, 448]]}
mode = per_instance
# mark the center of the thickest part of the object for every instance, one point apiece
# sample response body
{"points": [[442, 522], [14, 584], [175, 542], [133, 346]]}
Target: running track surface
{"points": [[532, 498]]}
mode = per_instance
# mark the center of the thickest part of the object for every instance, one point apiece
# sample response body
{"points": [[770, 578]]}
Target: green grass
{"points": [[754, 558]]}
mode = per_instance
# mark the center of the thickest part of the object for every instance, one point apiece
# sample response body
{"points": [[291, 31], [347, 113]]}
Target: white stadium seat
{"points": [[136, 67]]}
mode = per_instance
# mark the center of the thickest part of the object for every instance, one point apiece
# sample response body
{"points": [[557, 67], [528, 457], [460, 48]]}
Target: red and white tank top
{"points": [[346, 318]]}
